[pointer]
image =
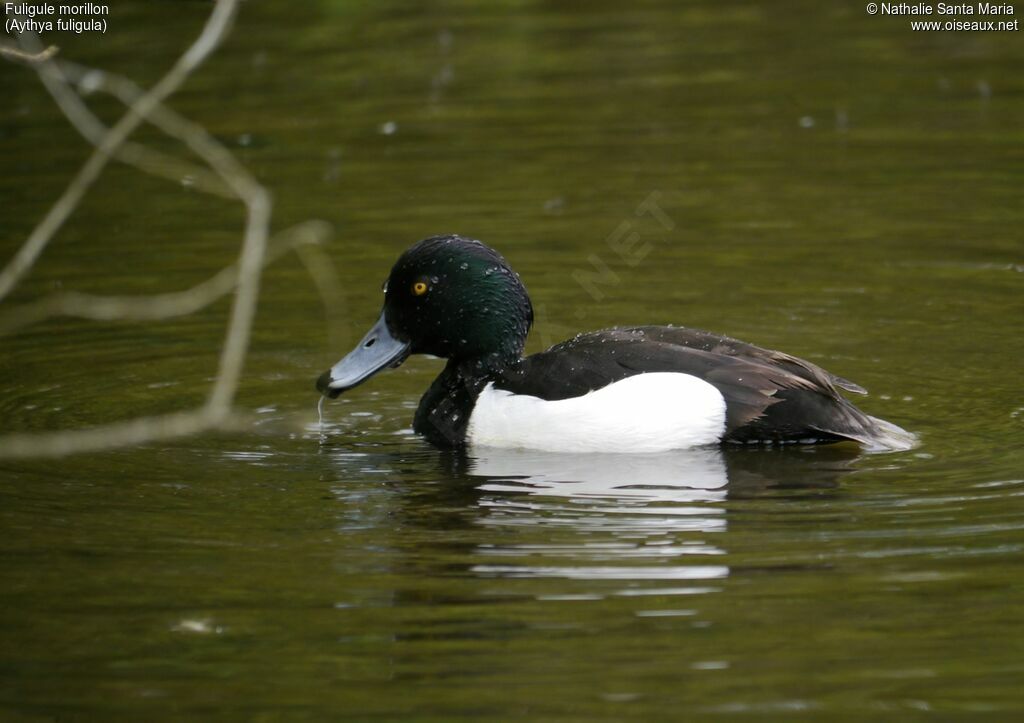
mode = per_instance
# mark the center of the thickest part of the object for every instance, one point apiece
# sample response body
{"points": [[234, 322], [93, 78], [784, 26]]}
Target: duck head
{"points": [[446, 296]]}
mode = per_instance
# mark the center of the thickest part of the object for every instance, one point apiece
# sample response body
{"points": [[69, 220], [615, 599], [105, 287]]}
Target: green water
{"points": [[827, 182]]}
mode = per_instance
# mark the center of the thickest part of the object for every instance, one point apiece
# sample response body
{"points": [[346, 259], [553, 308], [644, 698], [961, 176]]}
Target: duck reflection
{"points": [[704, 475], [627, 520], [692, 475]]}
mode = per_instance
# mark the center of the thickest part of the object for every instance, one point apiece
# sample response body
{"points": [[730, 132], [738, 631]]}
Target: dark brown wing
{"points": [[718, 344], [770, 396]]}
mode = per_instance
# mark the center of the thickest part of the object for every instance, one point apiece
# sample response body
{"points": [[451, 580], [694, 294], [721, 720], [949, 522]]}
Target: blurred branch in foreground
{"points": [[11, 53], [221, 174], [155, 306]]}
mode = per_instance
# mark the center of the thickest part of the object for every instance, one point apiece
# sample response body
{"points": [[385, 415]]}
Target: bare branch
{"points": [[133, 431], [57, 77], [12, 53], [332, 296], [229, 178], [213, 32], [155, 307], [220, 174]]}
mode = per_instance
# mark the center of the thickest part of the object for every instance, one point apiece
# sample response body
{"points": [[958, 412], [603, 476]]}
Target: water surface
{"points": [[806, 178]]}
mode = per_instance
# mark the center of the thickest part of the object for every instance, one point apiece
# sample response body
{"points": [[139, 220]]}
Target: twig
{"points": [[332, 296], [155, 307], [217, 410], [12, 53], [134, 431], [89, 80], [222, 175], [213, 32]]}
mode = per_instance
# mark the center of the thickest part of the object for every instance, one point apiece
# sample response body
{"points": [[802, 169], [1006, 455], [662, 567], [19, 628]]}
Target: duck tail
{"points": [[883, 436]]}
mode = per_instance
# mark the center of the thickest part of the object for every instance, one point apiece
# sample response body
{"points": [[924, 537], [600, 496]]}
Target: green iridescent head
{"points": [[447, 296]]}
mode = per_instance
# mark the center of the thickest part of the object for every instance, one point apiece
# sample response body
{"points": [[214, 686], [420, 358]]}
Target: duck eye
{"points": [[419, 288]]}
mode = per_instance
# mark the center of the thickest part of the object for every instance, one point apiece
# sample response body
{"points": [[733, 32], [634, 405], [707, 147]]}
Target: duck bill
{"points": [[378, 350]]}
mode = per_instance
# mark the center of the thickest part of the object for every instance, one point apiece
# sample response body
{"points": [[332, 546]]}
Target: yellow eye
{"points": [[419, 288]]}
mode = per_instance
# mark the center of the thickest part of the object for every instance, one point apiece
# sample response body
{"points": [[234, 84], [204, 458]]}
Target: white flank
{"points": [[644, 413]]}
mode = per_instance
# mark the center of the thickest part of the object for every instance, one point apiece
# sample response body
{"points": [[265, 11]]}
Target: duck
{"points": [[633, 389]]}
